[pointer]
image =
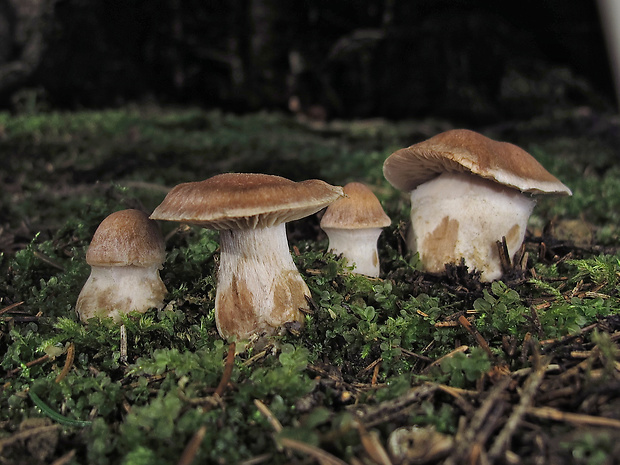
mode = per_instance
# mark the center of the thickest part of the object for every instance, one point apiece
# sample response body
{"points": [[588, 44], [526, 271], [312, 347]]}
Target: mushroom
{"points": [[468, 192], [259, 287], [126, 253], [353, 225]]}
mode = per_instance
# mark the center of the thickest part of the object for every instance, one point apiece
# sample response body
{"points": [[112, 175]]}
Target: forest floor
{"points": [[406, 368]]}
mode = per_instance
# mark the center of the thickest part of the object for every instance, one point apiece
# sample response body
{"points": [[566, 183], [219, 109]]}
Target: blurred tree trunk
{"points": [[271, 28], [24, 25]]}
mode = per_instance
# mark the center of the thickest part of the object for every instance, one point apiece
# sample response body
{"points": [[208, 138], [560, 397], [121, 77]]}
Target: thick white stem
{"points": [[259, 287], [459, 215], [111, 291], [358, 246]]}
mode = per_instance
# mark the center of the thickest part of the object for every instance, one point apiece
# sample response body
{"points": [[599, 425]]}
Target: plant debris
{"points": [[407, 368]]}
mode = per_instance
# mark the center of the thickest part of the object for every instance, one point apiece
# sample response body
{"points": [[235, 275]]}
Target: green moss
{"points": [[366, 341]]}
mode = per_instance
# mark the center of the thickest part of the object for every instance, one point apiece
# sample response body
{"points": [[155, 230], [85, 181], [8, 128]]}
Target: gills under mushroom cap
{"points": [[245, 201]]}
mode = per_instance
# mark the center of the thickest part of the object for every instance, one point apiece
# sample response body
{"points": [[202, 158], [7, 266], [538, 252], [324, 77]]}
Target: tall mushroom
{"points": [[259, 287], [468, 192], [126, 253], [353, 225]]}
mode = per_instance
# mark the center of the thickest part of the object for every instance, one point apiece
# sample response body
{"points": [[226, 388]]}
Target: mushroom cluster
{"points": [[468, 192]]}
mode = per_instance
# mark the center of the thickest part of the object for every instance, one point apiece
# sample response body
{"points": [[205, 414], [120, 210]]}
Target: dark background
{"points": [[479, 61]]}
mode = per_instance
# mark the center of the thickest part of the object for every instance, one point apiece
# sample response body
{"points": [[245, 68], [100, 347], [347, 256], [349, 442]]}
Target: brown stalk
{"points": [[256, 460], [548, 413], [563, 339], [409, 353], [451, 354], [536, 322], [474, 332], [504, 256], [66, 458], [258, 356], [375, 374], [191, 449], [50, 261], [373, 365], [8, 308], [320, 455], [228, 368], [68, 363], [446, 324], [271, 418], [372, 446], [31, 363], [458, 398]]}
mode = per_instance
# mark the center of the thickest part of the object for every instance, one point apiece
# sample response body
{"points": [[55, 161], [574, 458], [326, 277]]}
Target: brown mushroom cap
{"points": [[245, 201], [461, 150], [125, 238], [360, 209]]}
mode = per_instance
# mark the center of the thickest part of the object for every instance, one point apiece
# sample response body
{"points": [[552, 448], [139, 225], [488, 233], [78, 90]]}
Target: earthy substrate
{"points": [[404, 369]]}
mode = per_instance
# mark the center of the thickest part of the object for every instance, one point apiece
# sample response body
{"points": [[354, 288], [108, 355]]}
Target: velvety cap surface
{"points": [[461, 150], [245, 201], [127, 237], [359, 209]]}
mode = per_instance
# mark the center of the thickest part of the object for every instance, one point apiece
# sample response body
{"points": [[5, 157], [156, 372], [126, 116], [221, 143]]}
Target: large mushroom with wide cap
{"points": [[467, 193], [125, 255], [259, 287]]}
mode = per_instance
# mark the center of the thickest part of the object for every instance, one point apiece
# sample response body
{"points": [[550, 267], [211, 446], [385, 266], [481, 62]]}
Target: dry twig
{"points": [[68, 363], [191, 449], [469, 443], [32, 363], [372, 446], [386, 411], [8, 308], [532, 384], [26, 434], [459, 349], [474, 332], [316, 453], [271, 418], [549, 413]]}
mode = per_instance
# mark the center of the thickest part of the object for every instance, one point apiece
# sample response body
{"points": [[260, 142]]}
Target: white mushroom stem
{"points": [[359, 247], [111, 291], [458, 215], [259, 287]]}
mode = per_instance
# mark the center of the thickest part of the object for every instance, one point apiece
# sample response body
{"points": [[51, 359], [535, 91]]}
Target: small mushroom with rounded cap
{"points": [[468, 192], [126, 253], [259, 287], [353, 225]]}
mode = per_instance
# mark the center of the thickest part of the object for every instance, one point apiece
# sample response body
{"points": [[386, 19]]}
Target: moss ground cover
{"points": [[406, 368]]}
